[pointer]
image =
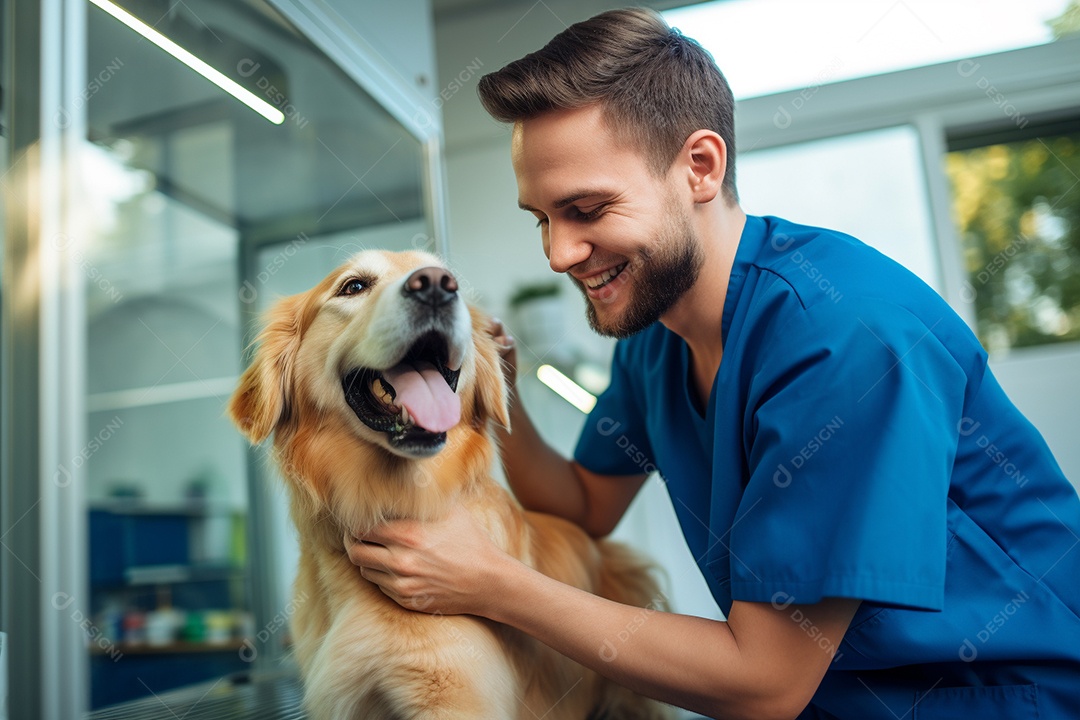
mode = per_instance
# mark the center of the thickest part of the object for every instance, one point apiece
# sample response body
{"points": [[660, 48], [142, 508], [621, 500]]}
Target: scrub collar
{"points": [[750, 242]]}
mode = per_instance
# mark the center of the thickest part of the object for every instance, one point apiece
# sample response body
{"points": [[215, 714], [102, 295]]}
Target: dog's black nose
{"points": [[431, 285]]}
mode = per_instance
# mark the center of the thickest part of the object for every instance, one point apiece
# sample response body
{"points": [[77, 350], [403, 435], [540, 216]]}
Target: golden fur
{"points": [[361, 655]]}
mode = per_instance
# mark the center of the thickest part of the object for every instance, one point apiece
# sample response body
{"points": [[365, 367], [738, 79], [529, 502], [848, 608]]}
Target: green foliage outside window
{"points": [[1017, 209]]}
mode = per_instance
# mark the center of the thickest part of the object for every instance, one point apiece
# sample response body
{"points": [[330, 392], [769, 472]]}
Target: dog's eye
{"points": [[353, 286]]}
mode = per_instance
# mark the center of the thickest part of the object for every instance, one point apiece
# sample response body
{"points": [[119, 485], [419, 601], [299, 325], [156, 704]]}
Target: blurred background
{"points": [[170, 167]]}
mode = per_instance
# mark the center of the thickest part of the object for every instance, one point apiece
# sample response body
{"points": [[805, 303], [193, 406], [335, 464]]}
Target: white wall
{"points": [[1044, 384], [880, 178]]}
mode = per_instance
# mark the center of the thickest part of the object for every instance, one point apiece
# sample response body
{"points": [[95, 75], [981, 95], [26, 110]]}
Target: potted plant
{"points": [[538, 316]]}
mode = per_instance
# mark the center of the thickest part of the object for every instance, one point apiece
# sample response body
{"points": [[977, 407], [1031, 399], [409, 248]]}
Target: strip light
{"points": [[245, 96], [570, 391]]}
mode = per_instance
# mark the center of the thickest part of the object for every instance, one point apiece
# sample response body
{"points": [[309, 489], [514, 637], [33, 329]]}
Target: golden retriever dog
{"points": [[379, 386]]}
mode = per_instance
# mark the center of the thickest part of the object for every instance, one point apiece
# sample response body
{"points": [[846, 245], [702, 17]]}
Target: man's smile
{"points": [[601, 279]]}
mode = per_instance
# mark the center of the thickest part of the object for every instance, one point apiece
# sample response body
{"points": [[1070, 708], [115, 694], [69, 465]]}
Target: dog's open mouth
{"points": [[415, 402]]}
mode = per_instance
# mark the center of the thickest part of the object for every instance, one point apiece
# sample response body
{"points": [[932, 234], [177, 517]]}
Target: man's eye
{"points": [[591, 215], [355, 286], [541, 222]]}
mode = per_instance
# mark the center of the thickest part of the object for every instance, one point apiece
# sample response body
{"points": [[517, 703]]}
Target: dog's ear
{"points": [[263, 399], [489, 397]]}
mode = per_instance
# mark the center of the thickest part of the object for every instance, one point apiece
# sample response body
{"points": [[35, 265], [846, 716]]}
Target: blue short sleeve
{"points": [[614, 440], [850, 435]]}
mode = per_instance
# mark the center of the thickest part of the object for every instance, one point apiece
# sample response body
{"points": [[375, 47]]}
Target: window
{"points": [[1016, 205]]}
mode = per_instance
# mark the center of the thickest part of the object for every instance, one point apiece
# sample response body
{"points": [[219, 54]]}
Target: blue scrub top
{"points": [[856, 444]]}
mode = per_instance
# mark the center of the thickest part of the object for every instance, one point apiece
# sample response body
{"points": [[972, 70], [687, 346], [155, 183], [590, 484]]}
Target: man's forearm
{"points": [[654, 653], [541, 478]]}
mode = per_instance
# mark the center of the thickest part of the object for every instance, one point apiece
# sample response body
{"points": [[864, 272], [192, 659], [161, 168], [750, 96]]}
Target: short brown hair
{"points": [[650, 79]]}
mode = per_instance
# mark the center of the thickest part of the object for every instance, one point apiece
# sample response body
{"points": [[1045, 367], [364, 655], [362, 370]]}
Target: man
{"points": [[825, 445]]}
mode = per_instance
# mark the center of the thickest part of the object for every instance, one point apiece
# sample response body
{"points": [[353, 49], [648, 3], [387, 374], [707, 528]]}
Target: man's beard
{"points": [[660, 278]]}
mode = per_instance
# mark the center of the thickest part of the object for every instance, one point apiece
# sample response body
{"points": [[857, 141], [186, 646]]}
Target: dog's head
{"points": [[384, 348]]}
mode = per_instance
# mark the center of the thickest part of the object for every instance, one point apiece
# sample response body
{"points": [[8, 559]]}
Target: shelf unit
{"points": [[173, 648]]}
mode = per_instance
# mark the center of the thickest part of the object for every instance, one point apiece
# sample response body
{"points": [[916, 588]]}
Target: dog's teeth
{"points": [[379, 391], [404, 416], [453, 363]]}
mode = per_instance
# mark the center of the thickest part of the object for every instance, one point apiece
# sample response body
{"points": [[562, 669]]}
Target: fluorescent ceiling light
{"points": [[570, 391], [245, 96]]}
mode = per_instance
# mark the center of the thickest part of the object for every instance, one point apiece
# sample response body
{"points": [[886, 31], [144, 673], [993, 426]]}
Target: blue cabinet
{"points": [[148, 560]]}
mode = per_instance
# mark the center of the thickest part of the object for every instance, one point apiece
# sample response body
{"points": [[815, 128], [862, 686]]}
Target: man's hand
{"points": [[508, 351], [444, 566]]}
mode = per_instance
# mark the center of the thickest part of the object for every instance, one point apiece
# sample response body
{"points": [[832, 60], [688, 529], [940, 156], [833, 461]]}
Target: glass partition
{"points": [[218, 136]]}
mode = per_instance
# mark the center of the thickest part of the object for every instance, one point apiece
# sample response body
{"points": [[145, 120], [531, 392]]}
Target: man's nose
{"points": [[566, 247], [433, 286]]}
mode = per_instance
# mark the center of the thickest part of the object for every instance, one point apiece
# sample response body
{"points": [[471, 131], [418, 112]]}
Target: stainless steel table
{"points": [[236, 697]]}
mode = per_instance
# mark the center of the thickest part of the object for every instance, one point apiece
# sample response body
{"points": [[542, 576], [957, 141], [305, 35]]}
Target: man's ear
{"points": [[489, 398], [264, 398], [706, 158]]}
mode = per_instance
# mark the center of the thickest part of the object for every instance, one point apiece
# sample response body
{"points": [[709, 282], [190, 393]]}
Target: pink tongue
{"points": [[423, 391]]}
